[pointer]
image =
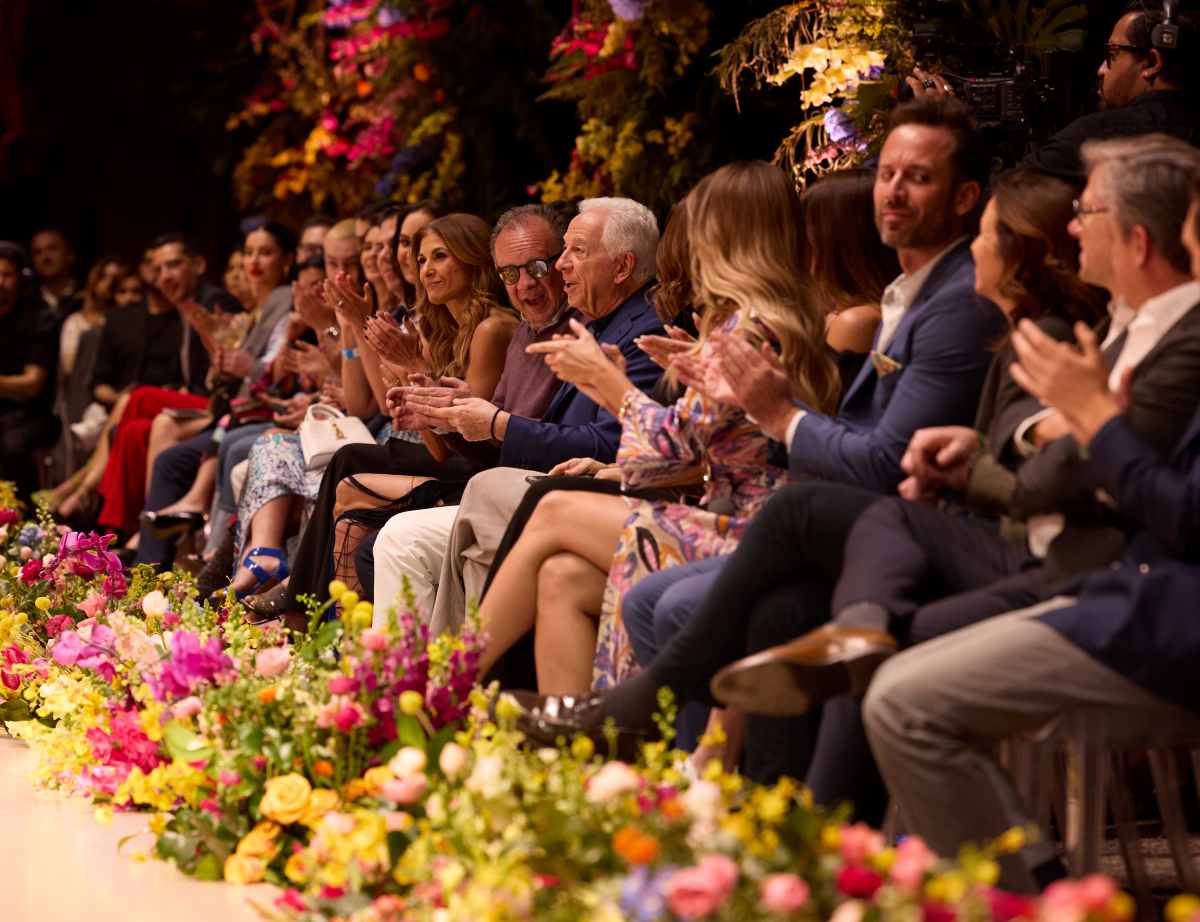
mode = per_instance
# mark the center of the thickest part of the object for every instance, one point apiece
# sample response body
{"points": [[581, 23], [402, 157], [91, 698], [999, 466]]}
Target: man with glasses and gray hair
{"points": [[599, 267]]}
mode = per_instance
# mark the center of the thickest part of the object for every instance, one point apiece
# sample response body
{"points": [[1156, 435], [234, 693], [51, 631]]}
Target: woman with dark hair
{"points": [[97, 302], [838, 208]]}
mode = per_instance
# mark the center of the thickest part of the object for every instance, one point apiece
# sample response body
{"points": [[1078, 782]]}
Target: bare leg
{"points": [[266, 529], [570, 594], [586, 524], [200, 493], [75, 490]]}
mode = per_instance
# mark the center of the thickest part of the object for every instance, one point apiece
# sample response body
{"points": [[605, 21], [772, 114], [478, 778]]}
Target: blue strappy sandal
{"points": [[265, 580]]}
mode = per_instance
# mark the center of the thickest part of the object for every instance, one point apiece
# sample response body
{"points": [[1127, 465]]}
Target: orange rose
{"points": [[634, 846], [268, 694], [323, 768]]}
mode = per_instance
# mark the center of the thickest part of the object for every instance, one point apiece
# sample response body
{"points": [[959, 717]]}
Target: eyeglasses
{"points": [[1081, 210], [1113, 49], [537, 269]]}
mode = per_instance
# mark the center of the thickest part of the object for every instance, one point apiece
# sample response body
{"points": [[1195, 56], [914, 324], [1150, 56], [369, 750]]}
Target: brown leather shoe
{"points": [[545, 719], [791, 678]]}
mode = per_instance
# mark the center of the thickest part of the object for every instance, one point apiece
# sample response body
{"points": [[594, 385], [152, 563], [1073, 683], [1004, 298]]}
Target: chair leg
{"points": [[1084, 832], [1127, 834], [1166, 789]]}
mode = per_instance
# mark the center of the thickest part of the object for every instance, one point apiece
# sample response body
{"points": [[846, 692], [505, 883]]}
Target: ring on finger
{"points": [[928, 84]]}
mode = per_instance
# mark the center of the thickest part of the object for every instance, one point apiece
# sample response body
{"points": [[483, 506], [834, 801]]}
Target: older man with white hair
{"points": [[607, 263]]}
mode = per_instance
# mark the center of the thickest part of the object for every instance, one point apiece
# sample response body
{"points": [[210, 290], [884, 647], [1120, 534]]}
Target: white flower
{"points": [[702, 800], [154, 605], [849, 911], [487, 778], [407, 762], [613, 780], [452, 760]]}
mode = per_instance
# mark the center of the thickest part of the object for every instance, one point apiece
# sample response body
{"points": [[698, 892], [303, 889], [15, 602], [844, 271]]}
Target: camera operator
{"points": [[1149, 82]]}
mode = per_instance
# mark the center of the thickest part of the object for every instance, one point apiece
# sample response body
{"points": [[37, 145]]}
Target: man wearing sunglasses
{"points": [[1145, 86]]}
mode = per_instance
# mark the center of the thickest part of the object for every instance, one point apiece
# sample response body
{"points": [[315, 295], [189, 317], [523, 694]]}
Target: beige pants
{"points": [[935, 713], [488, 504]]}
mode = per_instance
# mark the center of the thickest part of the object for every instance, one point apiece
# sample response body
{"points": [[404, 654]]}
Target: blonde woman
{"points": [[580, 552]]}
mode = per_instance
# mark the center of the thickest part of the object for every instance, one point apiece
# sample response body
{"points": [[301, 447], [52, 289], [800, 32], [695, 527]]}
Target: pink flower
{"points": [[229, 779], [405, 790], [211, 806], [8, 516], [695, 892], [93, 604], [375, 639], [913, 860], [272, 661], [188, 707], [58, 624], [938, 912], [341, 685], [858, 882], [260, 762], [859, 842], [170, 619], [612, 780], [31, 572], [291, 899], [349, 717], [783, 893], [1007, 906]]}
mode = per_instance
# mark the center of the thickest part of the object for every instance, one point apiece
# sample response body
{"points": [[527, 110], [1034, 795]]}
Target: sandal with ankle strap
{"points": [[265, 580]]}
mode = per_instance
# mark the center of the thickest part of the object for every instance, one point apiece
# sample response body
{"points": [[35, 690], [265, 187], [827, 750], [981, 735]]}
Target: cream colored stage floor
{"points": [[57, 864]]}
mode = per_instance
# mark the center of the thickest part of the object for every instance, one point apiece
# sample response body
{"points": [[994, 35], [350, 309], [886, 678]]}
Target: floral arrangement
{"points": [[845, 56], [362, 770], [622, 63], [352, 108]]}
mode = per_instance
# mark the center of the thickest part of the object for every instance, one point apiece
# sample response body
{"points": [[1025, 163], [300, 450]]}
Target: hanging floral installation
{"points": [[844, 56], [622, 63], [352, 108]]}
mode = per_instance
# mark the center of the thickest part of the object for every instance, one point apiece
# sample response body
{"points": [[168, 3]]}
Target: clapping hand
{"points": [[353, 306], [400, 346], [234, 363], [411, 406], [598, 371], [293, 416], [470, 417], [938, 458], [311, 360], [662, 349], [1073, 381], [701, 371], [333, 394], [313, 306], [759, 382]]}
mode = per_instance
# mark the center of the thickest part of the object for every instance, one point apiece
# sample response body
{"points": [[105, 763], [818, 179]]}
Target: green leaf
{"points": [[15, 709], [185, 745], [409, 732], [250, 736], [176, 847]]}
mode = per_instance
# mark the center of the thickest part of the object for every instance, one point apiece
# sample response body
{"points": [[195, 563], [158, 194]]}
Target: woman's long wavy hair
{"points": [[748, 254], [447, 343], [1041, 259]]}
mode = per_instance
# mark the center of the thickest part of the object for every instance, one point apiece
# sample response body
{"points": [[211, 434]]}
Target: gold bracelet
{"points": [[630, 396]]}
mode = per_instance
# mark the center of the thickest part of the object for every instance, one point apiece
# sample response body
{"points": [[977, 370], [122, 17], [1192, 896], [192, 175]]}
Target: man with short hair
{"points": [[312, 238], [27, 370], [54, 262]]}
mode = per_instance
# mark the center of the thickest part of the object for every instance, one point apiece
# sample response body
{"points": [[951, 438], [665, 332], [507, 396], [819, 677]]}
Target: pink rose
{"points": [[93, 605], [188, 707], [374, 638], [1008, 906], [859, 842], [783, 893], [229, 779], [170, 619], [698, 891], [405, 790], [341, 685], [348, 718], [272, 661], [913, 860]]}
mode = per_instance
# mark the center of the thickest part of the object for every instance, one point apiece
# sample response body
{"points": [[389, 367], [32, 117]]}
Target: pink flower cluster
{"points": [[374, 141], [356, 45], [190, 664], [14, 656], [90, 646], [83, 555], [119, 750], [698, 891]]}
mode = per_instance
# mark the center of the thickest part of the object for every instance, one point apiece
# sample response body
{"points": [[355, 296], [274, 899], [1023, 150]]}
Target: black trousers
{"points": [[312, 567]]}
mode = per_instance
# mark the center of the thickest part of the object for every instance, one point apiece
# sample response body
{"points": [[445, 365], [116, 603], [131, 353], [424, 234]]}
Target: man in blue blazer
{"points": [[1128, 644]]}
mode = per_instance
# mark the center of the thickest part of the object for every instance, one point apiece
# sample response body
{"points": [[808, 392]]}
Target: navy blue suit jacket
{"points": [[574, 426], [1141, 616], [942, 348]]}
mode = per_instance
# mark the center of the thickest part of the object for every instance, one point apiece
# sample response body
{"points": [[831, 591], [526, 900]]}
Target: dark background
{"points": [[120, 133]]}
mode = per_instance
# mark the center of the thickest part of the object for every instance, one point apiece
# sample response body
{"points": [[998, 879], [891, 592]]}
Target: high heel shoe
{"points": [[264, 579], [172, 524]]}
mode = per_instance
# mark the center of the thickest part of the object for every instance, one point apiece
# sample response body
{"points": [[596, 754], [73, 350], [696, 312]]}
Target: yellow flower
{"points": [[104, 814], [286, 798], [260, 842], [411, 703], [296, 869], [582, 748], [337, 589], [1011, 841], [353, 790], [1182, 908], [242, 870], [375, 778], [320, 802], [43, 603], [158, 823]]}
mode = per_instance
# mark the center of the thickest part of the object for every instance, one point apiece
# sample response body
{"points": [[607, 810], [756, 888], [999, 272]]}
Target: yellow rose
{"points": [[241, 870], [320, 802], [286, 798], [260, 842], [375, 778], [296, 869]]}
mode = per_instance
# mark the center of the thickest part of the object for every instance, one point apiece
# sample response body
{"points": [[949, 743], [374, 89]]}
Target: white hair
{"points": [[629, 227]]}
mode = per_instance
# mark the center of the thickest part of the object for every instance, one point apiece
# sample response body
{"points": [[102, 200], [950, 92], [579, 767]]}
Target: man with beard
{"points": [[1148, 82]]}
